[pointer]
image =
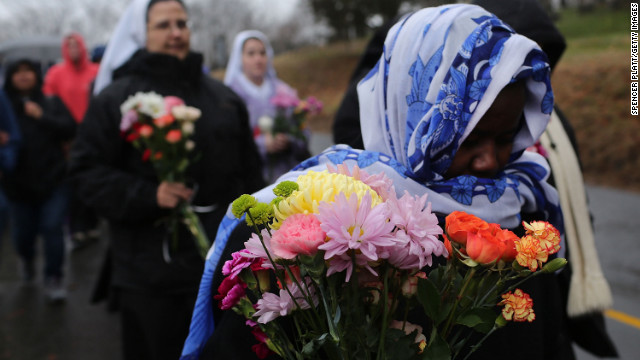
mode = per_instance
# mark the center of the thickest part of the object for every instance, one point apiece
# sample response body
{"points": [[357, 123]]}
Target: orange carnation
{"points": [[547, 235], [518, 306], [459, 224], [173, 136], [530, 252], [145, 130]]}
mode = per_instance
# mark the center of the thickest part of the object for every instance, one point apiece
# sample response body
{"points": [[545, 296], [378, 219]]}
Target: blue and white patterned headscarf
{"points": [[442, 68]]}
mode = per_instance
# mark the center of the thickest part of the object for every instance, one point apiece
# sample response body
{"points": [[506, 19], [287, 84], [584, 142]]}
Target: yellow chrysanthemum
{"points": [[315, 187], [548, 235]]}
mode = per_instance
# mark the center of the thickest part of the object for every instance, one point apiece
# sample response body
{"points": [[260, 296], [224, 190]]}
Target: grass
{"points": [[592, 87]]}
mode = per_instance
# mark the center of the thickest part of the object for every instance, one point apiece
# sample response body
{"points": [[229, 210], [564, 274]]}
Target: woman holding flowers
{"points": [[447, 112], [251, 75]]}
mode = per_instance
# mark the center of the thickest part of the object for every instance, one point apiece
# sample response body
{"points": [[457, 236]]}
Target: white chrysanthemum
{"points": [[131, 103], [151, 104], [265, 124]]}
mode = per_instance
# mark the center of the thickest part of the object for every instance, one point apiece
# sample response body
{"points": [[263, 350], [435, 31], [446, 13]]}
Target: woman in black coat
{"points": [[36, 188]]}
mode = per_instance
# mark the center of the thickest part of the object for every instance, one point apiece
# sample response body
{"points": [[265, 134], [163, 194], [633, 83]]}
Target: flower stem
{"points": [[467, 280]]}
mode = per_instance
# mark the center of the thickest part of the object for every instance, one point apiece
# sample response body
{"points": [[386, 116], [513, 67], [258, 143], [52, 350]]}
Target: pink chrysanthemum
{"points": [[272, 306], [255, 249], [380, 183], [417, 232], [352, 227]]}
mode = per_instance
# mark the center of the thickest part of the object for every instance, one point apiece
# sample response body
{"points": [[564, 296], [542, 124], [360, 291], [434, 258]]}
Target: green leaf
{"points": [[313, 265], [311, 348], [480, 319], [400, 346], [429, 297], [438, 349]]}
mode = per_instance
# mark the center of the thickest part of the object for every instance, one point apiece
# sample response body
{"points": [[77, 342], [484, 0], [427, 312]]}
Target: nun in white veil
{"points": [[250, 73]]}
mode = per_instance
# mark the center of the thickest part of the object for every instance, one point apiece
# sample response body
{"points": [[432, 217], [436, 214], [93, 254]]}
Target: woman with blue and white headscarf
{"points": [[449, 110]]}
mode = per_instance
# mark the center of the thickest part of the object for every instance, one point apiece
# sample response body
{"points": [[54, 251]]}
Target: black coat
{"points": [[112, 178], [41, 164]]}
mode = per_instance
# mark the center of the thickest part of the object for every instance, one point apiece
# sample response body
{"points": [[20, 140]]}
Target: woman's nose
{"points": [[485, 161]]}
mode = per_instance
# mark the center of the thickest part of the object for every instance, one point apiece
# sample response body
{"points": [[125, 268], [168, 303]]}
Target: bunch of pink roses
{"points": [[161, 128], [336, 264]]}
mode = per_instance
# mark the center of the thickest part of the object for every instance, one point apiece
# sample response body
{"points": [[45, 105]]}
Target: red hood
{"points": [[84, 57]]}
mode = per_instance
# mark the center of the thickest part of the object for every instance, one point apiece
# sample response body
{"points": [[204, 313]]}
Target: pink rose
{"points": [[298, 234], [170, 102]]}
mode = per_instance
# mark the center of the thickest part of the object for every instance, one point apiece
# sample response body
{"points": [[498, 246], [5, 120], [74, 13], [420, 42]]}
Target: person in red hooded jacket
{"points": [[71, 80]]}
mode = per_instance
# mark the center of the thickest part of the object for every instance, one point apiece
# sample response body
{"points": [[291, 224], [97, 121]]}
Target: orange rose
{"points": [[530, 253], [459, 224], [174, 136], [509, 239], [164, 120], [518, 306], [447, 245], [483, 247], [547, 235]]}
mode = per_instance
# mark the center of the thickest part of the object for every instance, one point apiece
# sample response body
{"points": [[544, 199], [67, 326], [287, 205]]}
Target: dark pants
{"points": [[154, 327], [81, 217], [4, 217], [44, 218]]}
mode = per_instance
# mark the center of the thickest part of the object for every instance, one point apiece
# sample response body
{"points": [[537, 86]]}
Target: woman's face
{"points": [[487, 149], [168, 29], [24, 79], [254, 60]]}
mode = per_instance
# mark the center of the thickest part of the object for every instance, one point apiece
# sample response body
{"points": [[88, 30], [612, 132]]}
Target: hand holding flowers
{"points": [[161, 127]]}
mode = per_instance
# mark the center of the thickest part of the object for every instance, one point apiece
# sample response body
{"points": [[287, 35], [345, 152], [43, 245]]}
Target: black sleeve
{"points": [[57, 119], [251, 159], [99, 167], [346, 125]]}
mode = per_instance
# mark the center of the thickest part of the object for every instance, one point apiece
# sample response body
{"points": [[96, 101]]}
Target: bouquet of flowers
{"points": [[336, 270], [291, 114], [160, 127]]}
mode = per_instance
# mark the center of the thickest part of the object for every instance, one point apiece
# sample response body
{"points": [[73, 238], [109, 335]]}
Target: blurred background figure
{"points": [[97, 53], [37, 192], [250, 73], [9, 141], [71, 81]]}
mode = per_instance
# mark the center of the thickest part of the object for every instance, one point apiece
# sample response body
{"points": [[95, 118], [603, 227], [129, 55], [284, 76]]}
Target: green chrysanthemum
{"points": [[242, 204], [261, 214], [285, 188]]}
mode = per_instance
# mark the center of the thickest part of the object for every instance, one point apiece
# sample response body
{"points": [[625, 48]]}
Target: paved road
{"points": [[30, 329]]}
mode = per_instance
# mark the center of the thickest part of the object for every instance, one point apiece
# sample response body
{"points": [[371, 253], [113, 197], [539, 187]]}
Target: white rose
{"points": [[185, 113], [265, 124], [187, 128], [189, 145]]}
